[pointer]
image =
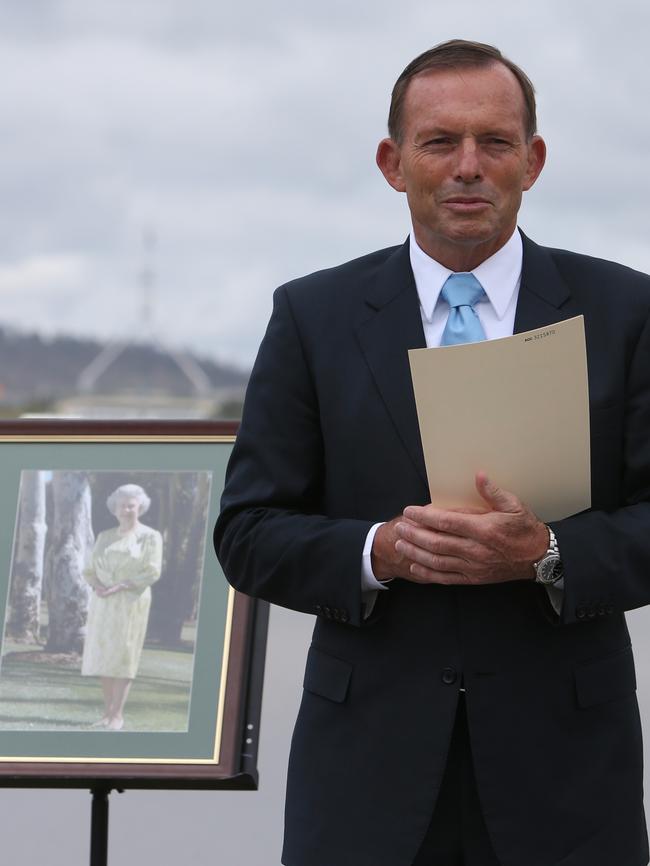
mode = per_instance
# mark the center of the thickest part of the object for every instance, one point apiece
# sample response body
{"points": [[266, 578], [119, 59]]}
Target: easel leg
{"points": [[99, 827]]}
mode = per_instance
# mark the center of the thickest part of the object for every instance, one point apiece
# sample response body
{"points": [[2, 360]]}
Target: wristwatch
{"points": [[549, 569]]}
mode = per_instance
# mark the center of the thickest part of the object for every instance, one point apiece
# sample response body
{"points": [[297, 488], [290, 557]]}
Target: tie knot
{"points": [[462, 290]]}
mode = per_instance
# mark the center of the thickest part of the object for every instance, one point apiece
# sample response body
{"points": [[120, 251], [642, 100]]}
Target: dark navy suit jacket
{"points": [[328, 445]]}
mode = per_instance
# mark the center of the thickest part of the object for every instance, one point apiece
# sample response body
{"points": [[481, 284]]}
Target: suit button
{"points": [[319, 608], [601, 609], [449, 676], [581, 613], [344, 616], [328, 612], [591, 612], [609, 608]]}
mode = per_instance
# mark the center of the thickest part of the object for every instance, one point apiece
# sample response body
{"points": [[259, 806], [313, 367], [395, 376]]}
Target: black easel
{"points": [[99, 825]]}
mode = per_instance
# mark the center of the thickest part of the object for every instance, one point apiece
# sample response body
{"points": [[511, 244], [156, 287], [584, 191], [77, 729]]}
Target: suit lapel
{"points": [[543, 292], [393, 326]]}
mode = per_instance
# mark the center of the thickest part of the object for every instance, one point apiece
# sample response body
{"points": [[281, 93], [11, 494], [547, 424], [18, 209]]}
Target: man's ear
{"points": [[536, 160], [389, 160]]}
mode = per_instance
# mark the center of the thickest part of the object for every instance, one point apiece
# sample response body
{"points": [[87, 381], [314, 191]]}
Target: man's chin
{"points": [[471, 234], [468, 228]]}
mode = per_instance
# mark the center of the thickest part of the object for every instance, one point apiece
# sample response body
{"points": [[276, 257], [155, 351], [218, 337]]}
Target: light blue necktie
{"points": [[462, 291]]}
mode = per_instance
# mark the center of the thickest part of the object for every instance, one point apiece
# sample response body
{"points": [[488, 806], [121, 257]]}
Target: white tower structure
{"points": [[144, 329]]}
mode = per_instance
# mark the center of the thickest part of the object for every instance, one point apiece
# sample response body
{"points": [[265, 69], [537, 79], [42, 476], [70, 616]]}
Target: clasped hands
{"points": [[104, 592], [462, 546]]}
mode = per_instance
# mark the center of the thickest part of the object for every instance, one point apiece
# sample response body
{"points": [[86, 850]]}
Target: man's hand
{"points": [[386, 560], [464, 546]]}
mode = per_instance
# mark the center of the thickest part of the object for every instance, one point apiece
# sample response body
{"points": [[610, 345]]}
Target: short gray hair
{"points": [[128, 491]]}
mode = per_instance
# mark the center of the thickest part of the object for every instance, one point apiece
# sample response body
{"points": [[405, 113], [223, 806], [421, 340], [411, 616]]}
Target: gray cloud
{"points": [[246, 136]]}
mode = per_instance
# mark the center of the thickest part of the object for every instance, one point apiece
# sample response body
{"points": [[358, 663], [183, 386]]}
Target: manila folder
{"points": [[516, 408]]}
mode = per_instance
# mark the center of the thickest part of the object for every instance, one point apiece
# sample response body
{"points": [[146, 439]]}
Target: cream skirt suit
{"points": [[117, 624]]}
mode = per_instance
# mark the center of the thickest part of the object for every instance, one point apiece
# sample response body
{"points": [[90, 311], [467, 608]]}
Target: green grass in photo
{"points": [[42, 693]]}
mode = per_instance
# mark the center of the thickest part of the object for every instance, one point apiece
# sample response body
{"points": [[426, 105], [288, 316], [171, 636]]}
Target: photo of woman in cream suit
{"points": [[125, 561]]}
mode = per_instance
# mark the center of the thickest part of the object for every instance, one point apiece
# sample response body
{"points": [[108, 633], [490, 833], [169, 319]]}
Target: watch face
{"points": [[549, 569]]}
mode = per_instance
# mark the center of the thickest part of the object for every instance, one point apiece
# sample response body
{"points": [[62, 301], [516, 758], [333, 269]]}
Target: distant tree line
{"points": [[38, 369]]}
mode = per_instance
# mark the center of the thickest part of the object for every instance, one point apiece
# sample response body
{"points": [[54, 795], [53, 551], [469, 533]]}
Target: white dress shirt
{"points": [[500, 276]]}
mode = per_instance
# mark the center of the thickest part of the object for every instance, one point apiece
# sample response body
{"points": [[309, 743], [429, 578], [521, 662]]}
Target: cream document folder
{"points": [[517, 408]]}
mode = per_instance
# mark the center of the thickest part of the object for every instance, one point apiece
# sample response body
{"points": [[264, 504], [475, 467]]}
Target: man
{"points": [[470, 690]]}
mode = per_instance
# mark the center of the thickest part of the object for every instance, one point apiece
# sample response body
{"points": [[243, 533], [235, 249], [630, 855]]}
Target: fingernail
{"points": [[410, 513], [400, 546], [399, 528]]}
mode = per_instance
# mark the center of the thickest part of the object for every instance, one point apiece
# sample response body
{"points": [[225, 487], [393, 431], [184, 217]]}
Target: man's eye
{"points": [[498, 142]]}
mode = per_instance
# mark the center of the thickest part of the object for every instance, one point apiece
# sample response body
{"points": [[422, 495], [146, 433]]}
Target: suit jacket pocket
{"points": [[605, 679], [327, 676]]}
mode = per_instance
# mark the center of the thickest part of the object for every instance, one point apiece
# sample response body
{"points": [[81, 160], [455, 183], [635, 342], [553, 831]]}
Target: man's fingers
{"points": [[422, 574], [465, 525], [441, 543], [434, 561]]}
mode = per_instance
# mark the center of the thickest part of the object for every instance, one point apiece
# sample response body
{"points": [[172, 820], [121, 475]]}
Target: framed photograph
{"points": [[125, 657]]}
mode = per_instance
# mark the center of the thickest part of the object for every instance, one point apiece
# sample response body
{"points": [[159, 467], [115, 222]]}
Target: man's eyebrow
{"points": [[435, 132]]}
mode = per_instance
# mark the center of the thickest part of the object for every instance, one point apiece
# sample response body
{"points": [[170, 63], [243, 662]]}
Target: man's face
{"points": [[463, 162]]}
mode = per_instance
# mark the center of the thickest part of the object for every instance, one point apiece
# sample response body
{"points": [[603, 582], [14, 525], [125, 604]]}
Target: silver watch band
{"points": [[553, 548], [548, 570]]}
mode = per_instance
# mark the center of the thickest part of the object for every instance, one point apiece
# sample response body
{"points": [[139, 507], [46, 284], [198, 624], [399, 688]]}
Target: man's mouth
{"points": [[466, 204]]}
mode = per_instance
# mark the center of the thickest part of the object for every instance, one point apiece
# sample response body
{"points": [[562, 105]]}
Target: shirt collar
{"points": [[499, 275]]}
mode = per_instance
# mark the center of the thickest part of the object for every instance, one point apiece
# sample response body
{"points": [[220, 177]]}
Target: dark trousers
{"points": [[457, 835]]}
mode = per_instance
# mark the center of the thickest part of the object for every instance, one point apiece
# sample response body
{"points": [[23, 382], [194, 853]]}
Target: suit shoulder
{"points": [[606, 275], [340, 278]]}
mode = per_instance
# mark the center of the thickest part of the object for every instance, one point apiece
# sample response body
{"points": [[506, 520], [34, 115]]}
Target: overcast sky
{"points": [[244, 135]]}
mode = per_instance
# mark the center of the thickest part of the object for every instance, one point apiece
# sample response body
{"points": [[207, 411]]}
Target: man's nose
{"points": [[468, 168]]}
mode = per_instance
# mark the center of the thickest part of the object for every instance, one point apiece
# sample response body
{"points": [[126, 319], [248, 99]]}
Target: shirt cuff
{"points": [[555, 593], [370, 586], [368, 580]]}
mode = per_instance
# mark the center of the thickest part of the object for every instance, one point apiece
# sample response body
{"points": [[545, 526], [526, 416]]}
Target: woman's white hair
{"points": [[128, 491]]}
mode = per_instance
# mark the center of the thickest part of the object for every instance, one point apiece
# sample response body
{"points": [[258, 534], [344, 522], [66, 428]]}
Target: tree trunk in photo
{"points": [[184, 542], [23, 623], [68, 552]]}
